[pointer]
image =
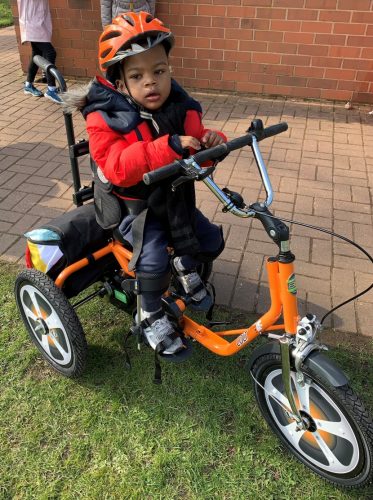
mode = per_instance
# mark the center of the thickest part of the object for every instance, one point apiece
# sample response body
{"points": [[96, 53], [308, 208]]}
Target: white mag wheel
{"points": [[337, 443], [51, 322]]}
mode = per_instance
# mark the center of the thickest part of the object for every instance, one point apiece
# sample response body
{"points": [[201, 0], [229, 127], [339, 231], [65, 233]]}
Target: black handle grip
{"points": [[162, 173], [275, 129]]}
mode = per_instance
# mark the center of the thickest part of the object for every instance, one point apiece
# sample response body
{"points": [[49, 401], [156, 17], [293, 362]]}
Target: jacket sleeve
{"points": [[193, 126], [123, 162], [151, 4], [105, 12]]}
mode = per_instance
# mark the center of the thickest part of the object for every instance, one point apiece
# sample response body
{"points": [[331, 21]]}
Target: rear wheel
{"points": [[51, 322], [337, 443]]}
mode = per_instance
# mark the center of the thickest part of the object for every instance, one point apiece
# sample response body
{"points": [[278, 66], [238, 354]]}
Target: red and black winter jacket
{"points": [[125, 144], [114, 126]]}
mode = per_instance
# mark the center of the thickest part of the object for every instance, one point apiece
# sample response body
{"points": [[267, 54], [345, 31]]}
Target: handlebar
{"points": [[255, 134], [215, 153]]}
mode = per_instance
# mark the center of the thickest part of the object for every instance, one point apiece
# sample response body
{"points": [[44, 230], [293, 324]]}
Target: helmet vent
{"points": [[105, 53], [129, 20], [112, 34]]}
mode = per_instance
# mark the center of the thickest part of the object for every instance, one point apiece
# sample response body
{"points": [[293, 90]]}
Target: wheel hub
{"points": [[308, 422], [41, 327]]}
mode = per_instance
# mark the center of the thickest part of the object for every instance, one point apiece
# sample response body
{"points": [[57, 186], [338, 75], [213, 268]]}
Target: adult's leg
{"points": [[49, 53], [36, 50]]}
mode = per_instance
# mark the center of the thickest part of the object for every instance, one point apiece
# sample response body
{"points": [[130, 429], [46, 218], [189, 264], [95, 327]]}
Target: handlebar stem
{"points": [[263, 171]]}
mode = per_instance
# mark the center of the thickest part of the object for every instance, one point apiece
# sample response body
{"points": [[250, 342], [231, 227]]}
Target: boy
{"points": [[138, 120]]}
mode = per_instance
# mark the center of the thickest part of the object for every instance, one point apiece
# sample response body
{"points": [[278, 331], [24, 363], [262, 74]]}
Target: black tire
{"points": [[339, 443], [51, 322]]}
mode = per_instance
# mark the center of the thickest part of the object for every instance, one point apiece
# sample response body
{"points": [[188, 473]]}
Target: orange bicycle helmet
{"points": [[129, 34]]}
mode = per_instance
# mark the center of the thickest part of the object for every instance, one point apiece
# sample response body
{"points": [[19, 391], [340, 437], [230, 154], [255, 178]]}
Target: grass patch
{"points": [[6, 17], [114, 434]]}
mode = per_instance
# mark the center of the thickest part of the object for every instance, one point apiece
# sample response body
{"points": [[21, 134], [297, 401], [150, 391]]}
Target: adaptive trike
{"points": [[302, 394]]}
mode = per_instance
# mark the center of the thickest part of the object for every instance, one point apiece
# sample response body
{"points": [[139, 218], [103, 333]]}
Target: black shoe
{"points": [[42, 79]]}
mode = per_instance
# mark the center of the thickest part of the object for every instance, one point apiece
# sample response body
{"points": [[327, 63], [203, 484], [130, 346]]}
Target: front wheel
{"points": [[337, 443]]}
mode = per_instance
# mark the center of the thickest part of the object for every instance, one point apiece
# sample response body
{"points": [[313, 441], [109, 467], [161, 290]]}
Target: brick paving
{"points": [[321, 170]]}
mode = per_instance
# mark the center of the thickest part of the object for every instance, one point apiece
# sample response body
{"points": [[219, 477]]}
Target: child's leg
{"points": [[152, 272], [211, 245]]}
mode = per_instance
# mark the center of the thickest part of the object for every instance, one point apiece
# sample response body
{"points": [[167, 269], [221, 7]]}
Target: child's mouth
{"points": [[152, 97]]}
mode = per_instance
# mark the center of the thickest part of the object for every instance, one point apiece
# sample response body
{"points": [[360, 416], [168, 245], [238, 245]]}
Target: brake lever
{"points": [[180, 180], [192, 175]]}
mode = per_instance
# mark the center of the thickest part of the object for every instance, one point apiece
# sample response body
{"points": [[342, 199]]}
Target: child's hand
{"points": [[211, 139], [187, 141]]}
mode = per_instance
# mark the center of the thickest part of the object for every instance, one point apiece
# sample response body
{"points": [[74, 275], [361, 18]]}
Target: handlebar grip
{"points": [[223, 149], [275, 129], [161, 173]]}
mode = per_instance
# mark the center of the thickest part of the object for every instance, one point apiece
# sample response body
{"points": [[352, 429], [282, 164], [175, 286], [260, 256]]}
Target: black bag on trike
{"points": [[66, 239]]}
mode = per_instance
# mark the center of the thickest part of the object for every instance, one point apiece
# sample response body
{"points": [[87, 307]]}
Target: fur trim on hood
{"points": [[119, 111]]}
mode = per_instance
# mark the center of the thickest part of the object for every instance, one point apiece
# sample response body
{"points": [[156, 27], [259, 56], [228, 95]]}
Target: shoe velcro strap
{"points": [[173, 336], [197, 288], [151, 319], [160, 347], [184, 272]]}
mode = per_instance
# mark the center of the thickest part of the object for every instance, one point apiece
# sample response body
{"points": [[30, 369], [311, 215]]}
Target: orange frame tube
{"points": [[282, 290]]}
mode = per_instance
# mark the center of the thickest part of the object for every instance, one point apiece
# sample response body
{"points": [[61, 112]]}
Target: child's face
{"points": [[147, 77]]}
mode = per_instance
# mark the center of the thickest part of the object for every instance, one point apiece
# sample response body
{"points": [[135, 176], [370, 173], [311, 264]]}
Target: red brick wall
{"points": [[299, 48]]}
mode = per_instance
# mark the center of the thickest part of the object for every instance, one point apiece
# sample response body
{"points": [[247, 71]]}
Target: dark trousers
{"points": [[46, 50], [154, 258]]}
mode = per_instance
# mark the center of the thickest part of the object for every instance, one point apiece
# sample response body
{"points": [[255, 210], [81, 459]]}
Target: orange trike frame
{"points": [[282, 292]]}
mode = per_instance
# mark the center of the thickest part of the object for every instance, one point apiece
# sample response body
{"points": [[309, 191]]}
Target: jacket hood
{"points": [[119, 111]]}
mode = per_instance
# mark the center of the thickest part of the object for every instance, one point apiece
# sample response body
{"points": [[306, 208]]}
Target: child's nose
{"points": [[149, 79]]}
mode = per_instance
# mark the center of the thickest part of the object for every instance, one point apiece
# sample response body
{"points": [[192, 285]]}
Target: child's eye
{"points": [[135, 76], [159, 71]]}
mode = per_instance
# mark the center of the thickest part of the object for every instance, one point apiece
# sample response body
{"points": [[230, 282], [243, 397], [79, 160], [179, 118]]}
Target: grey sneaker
{"points": [[190, 281], [161, 335]]}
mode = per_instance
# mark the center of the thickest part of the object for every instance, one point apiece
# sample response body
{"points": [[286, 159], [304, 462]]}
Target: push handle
{"points": [[48, 67], [214, 153]]}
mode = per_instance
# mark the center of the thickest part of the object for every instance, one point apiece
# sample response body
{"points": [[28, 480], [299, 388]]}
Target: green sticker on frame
{"points": [[292, 286]]}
